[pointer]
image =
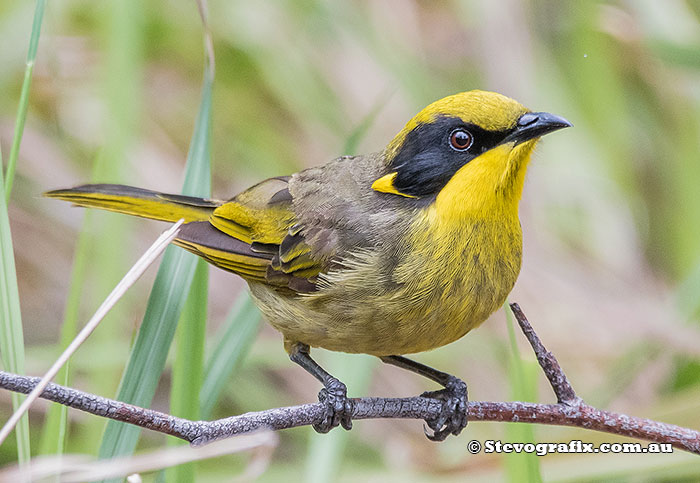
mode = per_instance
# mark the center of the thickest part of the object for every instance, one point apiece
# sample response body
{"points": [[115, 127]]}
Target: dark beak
{"points": [[533, 125]]}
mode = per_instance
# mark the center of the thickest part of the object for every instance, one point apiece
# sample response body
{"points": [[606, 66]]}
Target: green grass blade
{"points": [[24, 97], [522, 377], [234, 339], [167, 297], [189, 361], [12, 339], [55, 425], [191, 333]]}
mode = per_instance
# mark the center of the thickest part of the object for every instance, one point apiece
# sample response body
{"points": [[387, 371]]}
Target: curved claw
{"points": [[338, 409], [453, 416]]}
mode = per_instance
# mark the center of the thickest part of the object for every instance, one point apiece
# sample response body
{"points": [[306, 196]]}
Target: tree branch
{"points": [[549, 364], [569, 411]]}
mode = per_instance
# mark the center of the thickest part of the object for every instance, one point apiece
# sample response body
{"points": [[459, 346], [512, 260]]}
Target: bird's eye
{"points": [[460, 140]]}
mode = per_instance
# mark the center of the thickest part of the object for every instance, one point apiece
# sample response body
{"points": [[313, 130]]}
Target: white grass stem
{"points": [[129, 279], [78, 468]]}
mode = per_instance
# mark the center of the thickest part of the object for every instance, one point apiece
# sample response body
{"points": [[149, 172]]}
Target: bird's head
{"points": [[470, 148]]}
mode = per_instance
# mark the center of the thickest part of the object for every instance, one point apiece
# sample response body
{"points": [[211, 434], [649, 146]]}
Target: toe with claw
{"points": [[453, 416], [338, 410]]}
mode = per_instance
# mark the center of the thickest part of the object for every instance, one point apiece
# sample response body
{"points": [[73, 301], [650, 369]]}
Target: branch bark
{"points": [[569, 411]]}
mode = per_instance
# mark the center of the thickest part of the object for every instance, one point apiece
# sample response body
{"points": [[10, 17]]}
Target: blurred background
{"points": [[610, 212]]}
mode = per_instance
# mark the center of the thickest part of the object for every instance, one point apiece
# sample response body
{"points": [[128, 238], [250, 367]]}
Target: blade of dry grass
{"points": [[74, 468], [129, 279]]}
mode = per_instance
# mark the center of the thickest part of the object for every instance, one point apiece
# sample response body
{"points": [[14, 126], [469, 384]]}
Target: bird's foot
{"points": [[338, 409], [453, 416]]}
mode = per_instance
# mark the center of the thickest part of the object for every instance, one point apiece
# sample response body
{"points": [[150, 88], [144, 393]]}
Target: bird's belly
{"points": [[421, 306]]}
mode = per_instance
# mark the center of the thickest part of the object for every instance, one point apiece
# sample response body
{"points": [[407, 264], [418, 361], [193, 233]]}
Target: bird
{"points": [[392, 253]]}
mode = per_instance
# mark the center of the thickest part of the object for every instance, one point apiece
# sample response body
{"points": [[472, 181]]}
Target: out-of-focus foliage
{"points": [[611, 209]]}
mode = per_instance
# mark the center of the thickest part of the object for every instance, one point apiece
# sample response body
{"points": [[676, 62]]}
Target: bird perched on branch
{"points": [[387, 254]]}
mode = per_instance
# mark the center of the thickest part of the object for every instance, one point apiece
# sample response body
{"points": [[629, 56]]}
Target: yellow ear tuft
{"points": [[385, 184]]}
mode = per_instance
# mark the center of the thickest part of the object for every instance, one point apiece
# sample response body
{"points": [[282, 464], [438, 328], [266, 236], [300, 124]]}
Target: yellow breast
{"points": [[462, 277]]}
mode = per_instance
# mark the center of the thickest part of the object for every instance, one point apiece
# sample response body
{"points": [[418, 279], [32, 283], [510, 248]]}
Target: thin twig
{"points": [[549, 364], [129, 279], [570, 411]]}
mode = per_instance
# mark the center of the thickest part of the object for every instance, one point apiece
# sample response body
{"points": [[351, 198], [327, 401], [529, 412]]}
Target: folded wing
{"points": [[255, 234]]}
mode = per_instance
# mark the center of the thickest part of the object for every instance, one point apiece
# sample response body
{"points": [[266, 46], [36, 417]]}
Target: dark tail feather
{"points": [[138, 202]]}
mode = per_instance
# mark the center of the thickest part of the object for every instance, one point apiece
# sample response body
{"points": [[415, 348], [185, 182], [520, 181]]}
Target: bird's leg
{"points": [[453, 417], [334, 393]]}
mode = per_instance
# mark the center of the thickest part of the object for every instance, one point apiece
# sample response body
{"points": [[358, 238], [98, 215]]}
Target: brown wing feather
{"points": [[256, 235]]}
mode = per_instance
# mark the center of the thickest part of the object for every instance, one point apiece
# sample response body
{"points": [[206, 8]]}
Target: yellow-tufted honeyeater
{"points": [[390, 253]]}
